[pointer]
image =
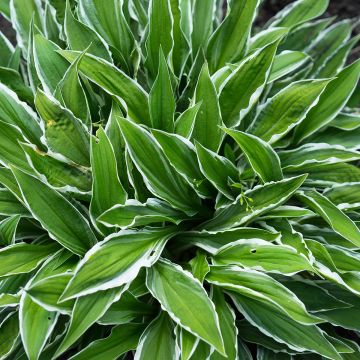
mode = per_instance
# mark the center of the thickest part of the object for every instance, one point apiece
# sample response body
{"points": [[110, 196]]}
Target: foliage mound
{"points": [[177, 183]]}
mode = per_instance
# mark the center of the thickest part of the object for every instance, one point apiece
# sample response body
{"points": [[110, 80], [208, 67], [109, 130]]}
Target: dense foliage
{"points": [[177, 183]]}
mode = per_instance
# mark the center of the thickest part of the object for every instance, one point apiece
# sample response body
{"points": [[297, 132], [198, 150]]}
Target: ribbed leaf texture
{"points": [[177, 183]]}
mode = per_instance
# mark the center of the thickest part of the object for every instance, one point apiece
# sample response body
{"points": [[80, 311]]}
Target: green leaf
{"points": [[6, 48], [261, 156], [134, 213], [50, 66], [47, 292], [102, 267], [287, 62], [13, 80], [23, 258], [263, 198], [64, 133], [184, 124], [262, 255], [116, 83], [345, 121], [261, 287], [199, 266], [105, 176], [344, 195], [227, 326], [9, 300], [58, 174], [340, 222], [247, 81], [336, 63], [286, 109], [10, 204], [217, 169], [17, 113], [33, 315], [127, 309], [8, 228], [110, 23], [11, 152], [186, 301], [327, 43], [80, 37], [228, 41], [208, 119], [161, 179], [82, 318], [161, 98], [266, 37], [313, 296], [274, 322], [71, 93], [214, 240], [157, 341], [331, 101], [9, 332], [299, 12], [122, 339], [159, 35], [316, 153], [186, 342], [22, 13], [202, 21], [182, 156], [58, 216]]}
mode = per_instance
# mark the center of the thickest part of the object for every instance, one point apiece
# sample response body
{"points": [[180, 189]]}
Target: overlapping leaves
{"points": [[177, 183]]}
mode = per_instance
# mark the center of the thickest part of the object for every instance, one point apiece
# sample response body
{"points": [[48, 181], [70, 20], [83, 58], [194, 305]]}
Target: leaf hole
{"points": [[253, 251]]}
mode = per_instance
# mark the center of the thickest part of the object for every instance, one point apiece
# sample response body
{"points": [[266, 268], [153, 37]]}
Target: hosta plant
{"points": [[178, 183]]}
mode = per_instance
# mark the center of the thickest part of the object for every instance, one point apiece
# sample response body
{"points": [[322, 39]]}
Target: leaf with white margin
{"points": [[286, 62], [345, 195], [264, 198], [117, 260], [261, 156], [17, 113], [186, 342], [159, 176], [217, 170], [122, 339], [266, 37], [133, 213], [212, 241], [298, 12], [115, 82], [56, 214], [8, 228], [228, 328], [286, 109], [339, 221], [46, 292], [22, 258], [264, 256], [157, 341], [262, 287], [9, 300], [82, 318], [333, 99], [186, 301], [273, 322], [316, 153], [9, 333], [181, 154], [247, 81]]}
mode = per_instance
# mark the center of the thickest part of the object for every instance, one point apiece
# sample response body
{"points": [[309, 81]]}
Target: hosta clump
{"points": [[177, 183]]}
